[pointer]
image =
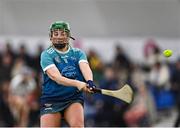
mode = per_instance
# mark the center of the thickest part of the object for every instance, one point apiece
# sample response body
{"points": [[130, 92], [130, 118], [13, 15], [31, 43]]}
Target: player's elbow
{"points": [[58, 79], [54, 76]]}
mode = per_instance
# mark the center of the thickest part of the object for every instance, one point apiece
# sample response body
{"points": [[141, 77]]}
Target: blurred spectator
{"points": [[121, 64], [160, 76], [152, 53], [89, 110], [18, 67], [160, 87], [121, 60], [9, 50], [6, 117], [23, 54], [175, 80], [36, 59], [95, 64], [5, 76], [141, 111], [149, 47], [6, 67], [108, 106], [21, 96]]}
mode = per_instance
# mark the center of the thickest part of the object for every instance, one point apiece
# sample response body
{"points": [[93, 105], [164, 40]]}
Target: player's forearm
{"points": [[56, 76], [86, 71], [69, 82]]}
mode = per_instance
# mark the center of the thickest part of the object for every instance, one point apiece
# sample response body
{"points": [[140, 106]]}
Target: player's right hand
{"points": [[87, 90], [84, 87]]}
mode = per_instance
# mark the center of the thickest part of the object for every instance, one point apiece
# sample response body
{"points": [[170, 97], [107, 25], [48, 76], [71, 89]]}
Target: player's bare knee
{"points": [[78, 122]]}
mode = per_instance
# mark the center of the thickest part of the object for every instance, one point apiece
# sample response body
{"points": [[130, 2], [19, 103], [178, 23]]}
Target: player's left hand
{"points": [[91, 85]]}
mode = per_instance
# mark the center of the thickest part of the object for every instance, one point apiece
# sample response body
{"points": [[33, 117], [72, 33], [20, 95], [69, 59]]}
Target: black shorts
{"points": [[58, 107]]}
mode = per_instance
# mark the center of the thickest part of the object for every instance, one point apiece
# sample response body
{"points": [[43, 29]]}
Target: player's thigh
{"points": [[74, 115], [51, 120]]}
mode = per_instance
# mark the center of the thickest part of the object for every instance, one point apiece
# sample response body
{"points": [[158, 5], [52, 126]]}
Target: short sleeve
{"points": [[82, 57], [46, 61]]}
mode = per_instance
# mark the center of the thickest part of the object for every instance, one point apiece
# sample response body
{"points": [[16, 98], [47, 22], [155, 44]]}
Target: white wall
{"points": [[92, 18]]}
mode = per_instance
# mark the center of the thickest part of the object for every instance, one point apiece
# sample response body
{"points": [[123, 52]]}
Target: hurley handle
{"points": [[97, 90]]}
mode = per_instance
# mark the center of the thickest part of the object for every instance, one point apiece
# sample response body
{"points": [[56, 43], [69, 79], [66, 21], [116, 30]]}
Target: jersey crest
{"points": [[57, 59]]}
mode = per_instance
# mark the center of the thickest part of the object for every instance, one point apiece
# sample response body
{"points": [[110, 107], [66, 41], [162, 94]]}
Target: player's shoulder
{"points": [[77, 50], [49, 50]]}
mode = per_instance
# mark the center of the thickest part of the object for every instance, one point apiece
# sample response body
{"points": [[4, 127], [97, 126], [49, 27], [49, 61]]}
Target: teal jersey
{"points": [[68, 65]]}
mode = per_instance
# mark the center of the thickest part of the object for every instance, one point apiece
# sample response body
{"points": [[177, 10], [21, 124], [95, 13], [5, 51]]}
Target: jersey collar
{"points": [[63, 52]]}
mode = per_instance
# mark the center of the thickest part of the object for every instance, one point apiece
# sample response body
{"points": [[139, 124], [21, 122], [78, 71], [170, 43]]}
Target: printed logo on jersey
{"points": [[69, 72], [73, 59]]}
